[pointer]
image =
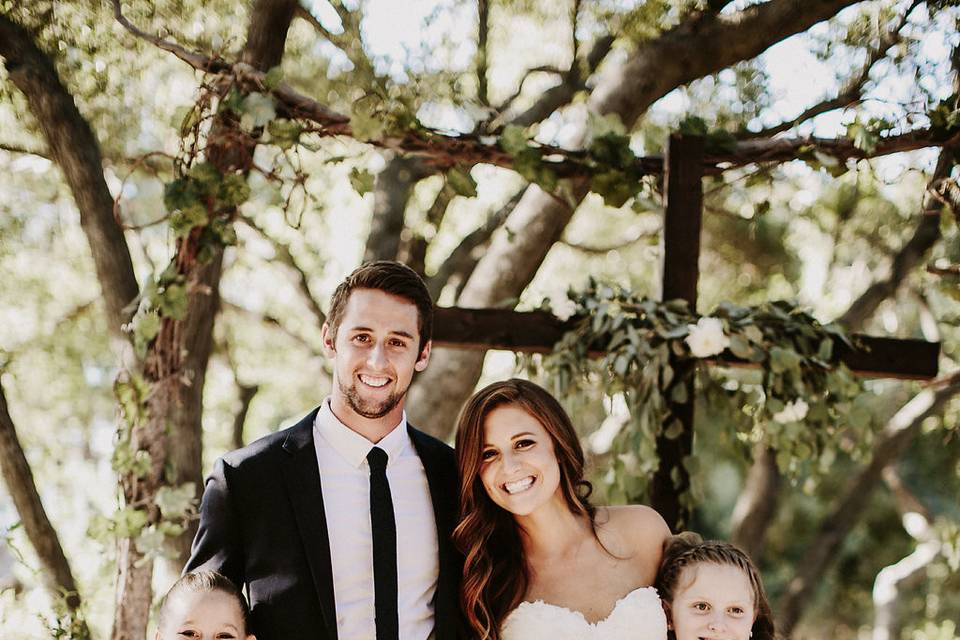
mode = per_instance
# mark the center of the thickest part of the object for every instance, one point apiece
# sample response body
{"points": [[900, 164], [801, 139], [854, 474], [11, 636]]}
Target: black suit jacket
{"points": [[263, 525]]}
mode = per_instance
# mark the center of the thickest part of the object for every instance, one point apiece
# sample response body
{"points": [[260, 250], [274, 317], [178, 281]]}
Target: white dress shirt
{"points": [[345, 484]]}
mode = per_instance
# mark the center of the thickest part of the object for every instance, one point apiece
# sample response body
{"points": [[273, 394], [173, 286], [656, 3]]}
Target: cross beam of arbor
{"points": [[539, 331]]}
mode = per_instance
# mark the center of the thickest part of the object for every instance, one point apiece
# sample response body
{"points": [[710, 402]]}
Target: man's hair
{"points": [[390, 277], [204, 582]]}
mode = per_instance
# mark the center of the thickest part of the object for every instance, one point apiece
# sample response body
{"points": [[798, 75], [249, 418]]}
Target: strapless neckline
{"points": [[637, 615]]}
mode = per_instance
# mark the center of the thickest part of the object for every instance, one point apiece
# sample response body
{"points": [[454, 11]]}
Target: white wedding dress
{"points": [[636, 616]]}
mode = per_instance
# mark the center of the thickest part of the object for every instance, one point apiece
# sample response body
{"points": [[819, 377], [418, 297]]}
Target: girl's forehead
{"points": [[710, 579]]}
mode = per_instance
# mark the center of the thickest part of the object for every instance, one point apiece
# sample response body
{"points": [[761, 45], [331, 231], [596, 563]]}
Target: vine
{"points": [[801, 406]]}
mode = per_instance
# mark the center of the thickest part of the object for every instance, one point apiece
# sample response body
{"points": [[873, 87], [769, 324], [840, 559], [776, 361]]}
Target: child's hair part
{"points": [[204, 582], [689, 549]]}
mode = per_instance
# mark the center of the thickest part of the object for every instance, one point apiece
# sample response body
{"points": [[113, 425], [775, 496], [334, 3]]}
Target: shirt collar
{"points": [[352, 446]]}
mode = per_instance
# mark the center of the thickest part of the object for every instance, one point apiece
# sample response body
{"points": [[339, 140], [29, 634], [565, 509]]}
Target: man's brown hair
{"points": [[390, 277]]}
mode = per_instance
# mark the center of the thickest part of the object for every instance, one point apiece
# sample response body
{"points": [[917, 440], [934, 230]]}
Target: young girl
{"points": [[203, 605], [712, 590]]}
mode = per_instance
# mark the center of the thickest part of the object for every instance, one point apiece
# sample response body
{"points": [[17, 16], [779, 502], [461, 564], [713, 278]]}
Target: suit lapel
{"points": [[302, 478]]}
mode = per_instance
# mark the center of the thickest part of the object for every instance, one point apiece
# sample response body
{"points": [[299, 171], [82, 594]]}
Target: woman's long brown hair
{"points": [[495, 574]]}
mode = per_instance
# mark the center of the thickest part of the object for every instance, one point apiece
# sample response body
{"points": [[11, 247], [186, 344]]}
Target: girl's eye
{"points": [[701, 606], [489, 454], [524, 444], [737, 611], [188, 633]]}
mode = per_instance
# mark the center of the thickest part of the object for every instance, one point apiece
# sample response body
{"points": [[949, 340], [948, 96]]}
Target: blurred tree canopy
{"points": [[183, 183]]}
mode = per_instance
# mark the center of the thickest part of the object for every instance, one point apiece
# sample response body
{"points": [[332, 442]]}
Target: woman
{"points": [[540, 560]]}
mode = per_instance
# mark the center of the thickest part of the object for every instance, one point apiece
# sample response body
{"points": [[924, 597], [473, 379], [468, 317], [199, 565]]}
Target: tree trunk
{"points": [[76, 151], [391, 193], [757, 504], [891, 443], [176, 363], [18, 477]]}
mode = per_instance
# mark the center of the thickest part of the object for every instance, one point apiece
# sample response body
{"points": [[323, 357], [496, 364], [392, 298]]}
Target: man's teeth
{"points": [[518, 485], [374, 381]]}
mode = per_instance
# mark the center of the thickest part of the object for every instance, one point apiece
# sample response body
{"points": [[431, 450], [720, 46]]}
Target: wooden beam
{"points": [[537, 332], [680, 261]]}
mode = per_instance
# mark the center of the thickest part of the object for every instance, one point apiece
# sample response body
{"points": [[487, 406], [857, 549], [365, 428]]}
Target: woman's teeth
{"points": [[518, 485]]}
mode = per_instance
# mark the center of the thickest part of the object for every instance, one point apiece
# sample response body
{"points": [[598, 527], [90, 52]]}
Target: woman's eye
{"points": [[226, 635], [188, 633], [489, 454], [737, 611], [524, 444], [701, 606]]}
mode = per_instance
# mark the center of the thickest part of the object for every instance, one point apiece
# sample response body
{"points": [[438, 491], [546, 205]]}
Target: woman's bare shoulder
{"points": [[641, 526]]}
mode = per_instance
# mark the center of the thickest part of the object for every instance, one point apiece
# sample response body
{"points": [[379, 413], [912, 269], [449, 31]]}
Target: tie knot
{"points": [[377, 459]]}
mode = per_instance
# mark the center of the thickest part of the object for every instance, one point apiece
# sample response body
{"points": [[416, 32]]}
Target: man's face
{"points": [[374, 354]]}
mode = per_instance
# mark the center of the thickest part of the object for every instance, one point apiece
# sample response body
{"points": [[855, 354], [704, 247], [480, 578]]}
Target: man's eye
{"points": [[361, 338], [226, 635], [398, 343]]}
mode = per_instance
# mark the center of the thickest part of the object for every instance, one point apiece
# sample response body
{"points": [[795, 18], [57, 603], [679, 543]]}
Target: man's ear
{"points": [[424, 358], [329, 348], [250, 636]]}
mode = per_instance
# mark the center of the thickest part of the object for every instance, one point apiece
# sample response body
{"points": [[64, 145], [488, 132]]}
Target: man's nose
{"points": [[377, 357]]}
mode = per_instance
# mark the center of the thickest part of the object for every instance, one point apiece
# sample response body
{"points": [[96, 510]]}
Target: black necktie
{"points": [[384, 547]]}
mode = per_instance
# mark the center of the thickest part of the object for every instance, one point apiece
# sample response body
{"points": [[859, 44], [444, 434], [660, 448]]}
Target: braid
{"points": [[689, 549]]}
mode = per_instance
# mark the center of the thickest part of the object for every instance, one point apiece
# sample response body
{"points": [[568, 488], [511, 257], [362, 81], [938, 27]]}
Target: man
{"points": [[339, 526]]}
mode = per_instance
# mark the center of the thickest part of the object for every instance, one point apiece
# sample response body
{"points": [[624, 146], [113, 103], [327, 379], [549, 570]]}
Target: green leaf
{"points": [[173, 301], [273, 78], [674, 431], [205, 177], [462, 182], [514, 139], [361, 180], [176, 502], [740, 346], [284, 133], [234, 190]]}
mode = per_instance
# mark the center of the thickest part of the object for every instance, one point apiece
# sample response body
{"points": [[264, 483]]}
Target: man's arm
{"points": [[217, 546]]}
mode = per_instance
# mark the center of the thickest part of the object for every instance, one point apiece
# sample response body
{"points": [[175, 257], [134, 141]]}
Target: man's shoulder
{"points": [[427, 444], [283, 441]]}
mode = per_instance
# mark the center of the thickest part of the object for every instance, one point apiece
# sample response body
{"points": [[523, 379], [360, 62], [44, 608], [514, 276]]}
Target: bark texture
{"points": [[702, 45], [74, 147], [18, 477]]}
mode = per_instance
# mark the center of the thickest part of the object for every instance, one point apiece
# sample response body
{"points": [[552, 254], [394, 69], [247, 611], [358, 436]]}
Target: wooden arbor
{"points": [[683, 168]]}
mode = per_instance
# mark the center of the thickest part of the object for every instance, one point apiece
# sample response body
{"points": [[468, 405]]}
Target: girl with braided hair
{"points": [[712, 591]]}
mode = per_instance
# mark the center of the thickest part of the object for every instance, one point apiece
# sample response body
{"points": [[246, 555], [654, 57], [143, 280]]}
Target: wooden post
{"points": [[683, 196]]}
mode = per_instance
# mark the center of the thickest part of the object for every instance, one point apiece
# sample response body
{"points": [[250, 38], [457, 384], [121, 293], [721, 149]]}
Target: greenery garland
{"points": [[803, 403]]}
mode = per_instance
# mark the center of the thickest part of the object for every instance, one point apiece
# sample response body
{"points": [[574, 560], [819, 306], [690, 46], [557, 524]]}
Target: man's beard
{"points": [[368, 409]]}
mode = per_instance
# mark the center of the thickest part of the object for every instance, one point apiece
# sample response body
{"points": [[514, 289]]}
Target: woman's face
{"points": [[518, 465], [212, 615], [714, 602]]}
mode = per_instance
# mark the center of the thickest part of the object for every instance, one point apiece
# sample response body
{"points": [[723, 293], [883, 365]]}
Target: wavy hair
{"points": [[495, 574], [688, 550]]}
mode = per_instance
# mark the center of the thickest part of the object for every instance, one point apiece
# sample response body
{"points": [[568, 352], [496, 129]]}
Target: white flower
{"points": [[563, 308], [707, 338], [258, 109], [794, 412]]}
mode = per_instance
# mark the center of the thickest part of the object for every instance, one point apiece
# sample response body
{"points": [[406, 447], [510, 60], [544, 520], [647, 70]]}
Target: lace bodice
{"points": [[636, 616]]}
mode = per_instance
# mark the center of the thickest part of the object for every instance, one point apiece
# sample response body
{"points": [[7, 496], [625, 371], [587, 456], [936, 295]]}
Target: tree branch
{"points": [[852, 89], [12, 148], [891, 443], [483, 30], [461, 261], [22, 488], [286, 257]]}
